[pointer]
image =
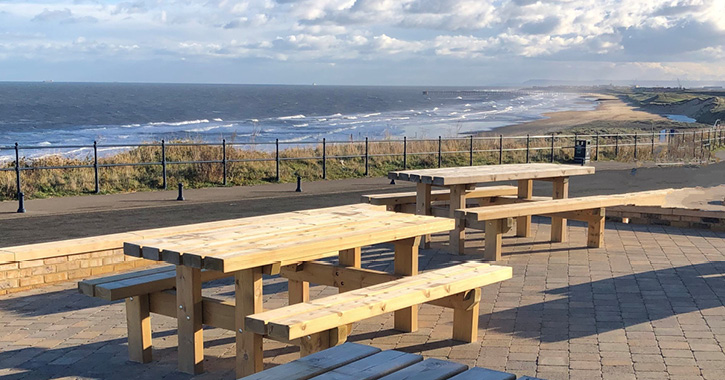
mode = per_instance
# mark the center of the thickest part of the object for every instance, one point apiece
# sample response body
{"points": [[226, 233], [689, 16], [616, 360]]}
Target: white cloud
{"points": [[674, 34]]}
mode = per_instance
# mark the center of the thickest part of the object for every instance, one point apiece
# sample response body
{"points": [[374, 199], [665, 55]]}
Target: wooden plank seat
{"points": [[150, 291], [325, 322], [352, 361], [498, 219], [405, 201]]}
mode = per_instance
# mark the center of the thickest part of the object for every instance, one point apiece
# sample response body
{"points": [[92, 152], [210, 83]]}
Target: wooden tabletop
{"points": [[352, 361], [287, 238], [488, 173]]}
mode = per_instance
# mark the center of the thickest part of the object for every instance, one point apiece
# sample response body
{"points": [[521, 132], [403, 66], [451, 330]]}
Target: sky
{"points": [[366, 42]]}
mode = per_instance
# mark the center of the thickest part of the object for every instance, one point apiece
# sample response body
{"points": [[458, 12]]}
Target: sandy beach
{"points": [[611, 112]]}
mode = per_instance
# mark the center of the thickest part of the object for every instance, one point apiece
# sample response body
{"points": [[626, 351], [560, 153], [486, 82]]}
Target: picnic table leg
{"points": [[138, 320], [191, 338], [406, 263], [350, 258], [299, 291], [558, 224], [595, 236], [523, 223], [458, 234], [422, 205], [248, 295]]}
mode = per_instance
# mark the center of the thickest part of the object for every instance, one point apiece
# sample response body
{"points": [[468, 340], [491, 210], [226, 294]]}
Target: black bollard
{"points": [[181, 192], [21, 203], [392, 181], [299, 184]]}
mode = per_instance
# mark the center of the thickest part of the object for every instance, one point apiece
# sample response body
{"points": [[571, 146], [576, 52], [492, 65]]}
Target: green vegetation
{"points": [[344, 160], [704, 107]]}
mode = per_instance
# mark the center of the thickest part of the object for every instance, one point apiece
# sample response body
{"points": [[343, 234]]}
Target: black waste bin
{"points": [[581, 151]]}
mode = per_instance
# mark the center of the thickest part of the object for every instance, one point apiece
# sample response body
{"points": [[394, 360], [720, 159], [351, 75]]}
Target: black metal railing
{"points": [[682, 145]]}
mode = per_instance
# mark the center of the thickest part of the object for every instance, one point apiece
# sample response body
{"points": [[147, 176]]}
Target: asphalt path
{"points": [[90, 215]]}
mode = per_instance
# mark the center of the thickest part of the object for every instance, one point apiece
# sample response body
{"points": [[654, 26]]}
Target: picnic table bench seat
{"points": [[405, 201], [151, 291], [325, 322], [498, 219], [352, 361]]}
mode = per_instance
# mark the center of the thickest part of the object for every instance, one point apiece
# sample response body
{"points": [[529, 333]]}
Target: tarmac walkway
{"points": [[89, 215]]}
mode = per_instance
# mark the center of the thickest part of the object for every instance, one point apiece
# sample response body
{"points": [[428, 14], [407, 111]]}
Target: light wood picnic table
{"points": [[249, 247], [460, 179]]}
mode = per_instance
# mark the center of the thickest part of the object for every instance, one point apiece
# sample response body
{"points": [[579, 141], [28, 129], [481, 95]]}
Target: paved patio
{"points": [[647, 306]]}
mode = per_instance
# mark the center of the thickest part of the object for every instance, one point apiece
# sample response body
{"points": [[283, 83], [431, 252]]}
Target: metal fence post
{"points": [[616, 146], [440, 158], [500, 149], [224, 161], [528, 139], [324, 158], [596, 148], [470, 154], [702, 144], [552, 148], [367, 155], [163, 163], [276, 158], [17, 171], [95, 166], [653, 145], [635, 145], [405, 153], [694, 144]]}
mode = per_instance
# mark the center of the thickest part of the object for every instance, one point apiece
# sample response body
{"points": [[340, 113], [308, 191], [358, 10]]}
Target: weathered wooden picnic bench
{"points": [[406, 201], [325, 322], [497, 219], [461, 179], [289, 244], [352, 361]]}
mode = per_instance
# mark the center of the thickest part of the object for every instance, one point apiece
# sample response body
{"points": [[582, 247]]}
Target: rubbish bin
{"points": [[581, 151]]}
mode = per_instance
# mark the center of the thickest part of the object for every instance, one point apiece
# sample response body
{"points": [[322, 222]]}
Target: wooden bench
{"points": [[406, 201], [325, 322], [150, 291], [498, 219], [351, 361]]}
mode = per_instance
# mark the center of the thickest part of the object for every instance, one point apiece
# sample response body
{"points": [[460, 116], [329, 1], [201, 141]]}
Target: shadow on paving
{"points": [[615, 303], [105, 360]]}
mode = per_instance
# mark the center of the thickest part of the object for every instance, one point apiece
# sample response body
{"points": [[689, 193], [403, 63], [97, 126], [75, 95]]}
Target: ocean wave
{"points": [[129, 126], [179, 123], [293, 117], [301, 125], [372, 114], [217, 119]]}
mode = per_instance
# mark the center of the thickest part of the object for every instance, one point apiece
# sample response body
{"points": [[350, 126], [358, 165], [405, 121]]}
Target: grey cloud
{"points": [[685, 37], [64, 16], [544, 26], [679, 9]]}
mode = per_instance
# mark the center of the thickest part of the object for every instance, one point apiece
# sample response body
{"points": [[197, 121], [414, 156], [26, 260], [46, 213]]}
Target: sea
{"points": [[59, 116]]}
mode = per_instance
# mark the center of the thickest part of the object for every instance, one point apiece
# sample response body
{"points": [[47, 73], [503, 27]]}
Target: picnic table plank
{"points": [[643, 198], [370, 291], [429, 369], [379, 299], [303, 236], [478, 373], [372, 367], [489, 173], [317, 363]]}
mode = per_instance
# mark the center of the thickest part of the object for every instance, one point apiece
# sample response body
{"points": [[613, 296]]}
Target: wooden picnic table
{"points": [[460, 179], [352, 361], [249, 247]]}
